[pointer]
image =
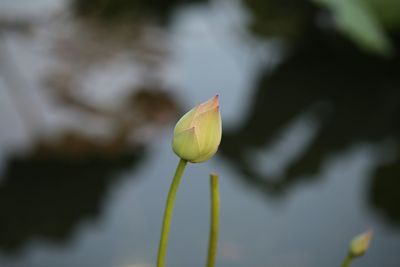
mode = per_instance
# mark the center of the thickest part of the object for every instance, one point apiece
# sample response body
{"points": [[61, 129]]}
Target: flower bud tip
{"points": [[360, 244]]}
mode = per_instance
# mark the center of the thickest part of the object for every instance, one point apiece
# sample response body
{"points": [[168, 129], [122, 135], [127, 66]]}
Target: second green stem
{"points": [[215, 204]]}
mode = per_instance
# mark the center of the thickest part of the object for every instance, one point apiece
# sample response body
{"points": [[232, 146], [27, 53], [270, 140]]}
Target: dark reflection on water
{"points": [[349, 98], [288, 19], [359, 96], [383, 193], [47, 196], [122, 9]]}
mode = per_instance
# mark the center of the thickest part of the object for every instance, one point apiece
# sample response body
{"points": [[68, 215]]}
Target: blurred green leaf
{"points": [[358, 21], [388, 12]]}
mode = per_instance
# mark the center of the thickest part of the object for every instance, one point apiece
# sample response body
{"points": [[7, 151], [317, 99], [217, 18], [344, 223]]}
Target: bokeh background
{"points": [[310, 101]]}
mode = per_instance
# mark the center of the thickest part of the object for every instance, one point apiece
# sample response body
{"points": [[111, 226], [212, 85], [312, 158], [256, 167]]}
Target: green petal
{"points": [[209, 132], [185, 122], [185, 145]]}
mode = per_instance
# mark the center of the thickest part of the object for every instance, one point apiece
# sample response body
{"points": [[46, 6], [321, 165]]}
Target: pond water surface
{"points": [[309, 157]]}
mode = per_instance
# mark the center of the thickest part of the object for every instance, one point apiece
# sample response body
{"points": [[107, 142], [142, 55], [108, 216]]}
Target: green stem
{"points": [[347, 261], [215, 203], [169, 209]]}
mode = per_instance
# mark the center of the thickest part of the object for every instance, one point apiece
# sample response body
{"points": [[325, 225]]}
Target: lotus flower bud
{"points": [[197, 134], [359, 245]]}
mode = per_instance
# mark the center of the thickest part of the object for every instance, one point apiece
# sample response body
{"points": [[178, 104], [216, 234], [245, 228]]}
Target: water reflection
{"points": [[350, 98], [46, 196], [96, 90], [80, 109], [137, 9], [284, 19], [383, 194]]}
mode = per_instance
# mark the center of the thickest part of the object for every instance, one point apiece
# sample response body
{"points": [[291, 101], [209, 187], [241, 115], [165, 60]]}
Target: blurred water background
{"points": [[90, 91]]}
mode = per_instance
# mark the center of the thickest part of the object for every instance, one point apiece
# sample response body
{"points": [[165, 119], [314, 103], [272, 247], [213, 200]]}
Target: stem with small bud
{"points": [[347, 261]]}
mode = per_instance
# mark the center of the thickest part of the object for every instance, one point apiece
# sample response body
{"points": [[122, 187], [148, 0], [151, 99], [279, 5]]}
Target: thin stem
{"points": [[347, 260], [169, 209], [215, 204]]}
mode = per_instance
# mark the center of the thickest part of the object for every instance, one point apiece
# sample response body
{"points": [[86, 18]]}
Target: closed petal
{"points": [[185, 122], [208, 129], [208, 132], [185, 145]]}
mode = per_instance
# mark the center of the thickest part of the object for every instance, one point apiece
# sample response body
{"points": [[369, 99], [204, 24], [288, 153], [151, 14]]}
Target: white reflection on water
{"points": [[273, 160], [215, 53], [62, 59], [30, 9], [60, 75]]}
